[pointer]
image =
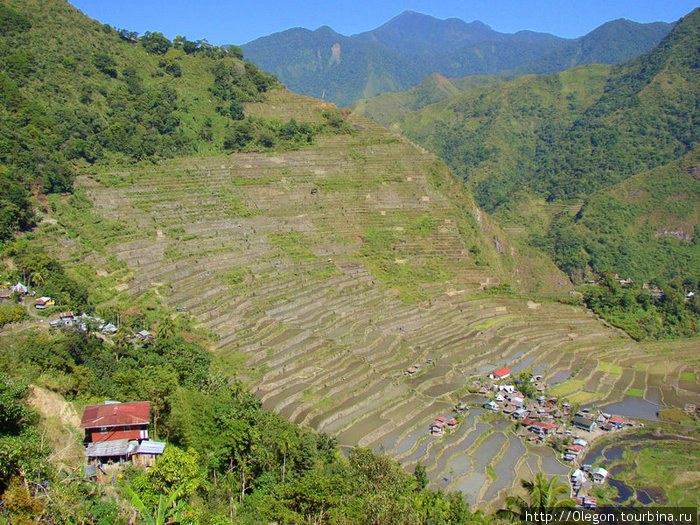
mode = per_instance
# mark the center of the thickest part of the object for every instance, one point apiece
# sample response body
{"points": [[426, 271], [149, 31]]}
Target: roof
{"points": [[578, 420], [442, 419], [546, 426], [600, 471], [118, 447], [150, 447], [501, 372], [617, 420], [116, 415]]}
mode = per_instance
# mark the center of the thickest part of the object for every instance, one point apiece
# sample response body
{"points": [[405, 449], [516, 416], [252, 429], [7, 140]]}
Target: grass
{"points": [[688, 376], [488, 324], [672, 467], [293, 245], [605, 366], [635, 392], [584, 397], [568, 387]]}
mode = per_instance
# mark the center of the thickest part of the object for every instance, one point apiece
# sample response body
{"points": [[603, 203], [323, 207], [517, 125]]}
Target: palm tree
{"points": [[36, 278], [543, 494], [168, 508]]}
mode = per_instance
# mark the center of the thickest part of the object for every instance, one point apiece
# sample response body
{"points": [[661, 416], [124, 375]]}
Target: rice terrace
{"points": [[331, 272], [448, 305]]}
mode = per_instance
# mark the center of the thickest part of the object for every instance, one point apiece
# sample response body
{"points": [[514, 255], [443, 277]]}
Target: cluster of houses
{"points": [[545, 419], [414, 369], [83, 322], [87, 322], [116, 433], [441, 423], [580, 478]]}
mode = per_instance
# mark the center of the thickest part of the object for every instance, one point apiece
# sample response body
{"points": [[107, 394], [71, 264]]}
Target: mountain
{"points": [[423, 34], [613, 42], [577, 134], [399, 54]]}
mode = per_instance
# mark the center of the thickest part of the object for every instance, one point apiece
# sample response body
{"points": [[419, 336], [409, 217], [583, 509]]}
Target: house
{"points": [[436, 429], [116, 421], [44, 302], [584, 423], [412, 369], [109, 329], [67, 318], [580, 442], [491, 405], [19, 288], [599, 475], [539, 427], [145, 335], [574, 450], [617, 421], [145, 454], [520, 413], [501, 373], [114, 451], [578, 476], [452, 423]]}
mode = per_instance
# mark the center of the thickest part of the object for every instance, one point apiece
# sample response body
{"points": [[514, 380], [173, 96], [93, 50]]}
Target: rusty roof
{"points": [[116, 414]]}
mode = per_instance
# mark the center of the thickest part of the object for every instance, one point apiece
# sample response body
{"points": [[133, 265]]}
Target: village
{"points": [[543, 420]]}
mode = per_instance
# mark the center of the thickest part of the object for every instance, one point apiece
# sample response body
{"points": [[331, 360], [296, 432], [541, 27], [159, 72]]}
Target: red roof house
{"points": [[540, 427], [113, 421], [501, 373]]}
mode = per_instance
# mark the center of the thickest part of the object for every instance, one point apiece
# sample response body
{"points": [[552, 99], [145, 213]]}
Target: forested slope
{"points": [[575, 135]]}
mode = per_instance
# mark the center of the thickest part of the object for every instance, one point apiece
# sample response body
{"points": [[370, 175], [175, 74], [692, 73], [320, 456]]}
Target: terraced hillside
{"points": [[331, 270]]}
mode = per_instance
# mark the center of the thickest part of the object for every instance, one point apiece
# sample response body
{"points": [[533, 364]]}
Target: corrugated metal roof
{"points": [[150, 447], [116, 414], [118, 447]]}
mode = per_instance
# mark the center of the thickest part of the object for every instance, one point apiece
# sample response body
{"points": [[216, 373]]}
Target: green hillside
{"points": [[97, 96], [412, 46], [573, 136], [388, 107]]}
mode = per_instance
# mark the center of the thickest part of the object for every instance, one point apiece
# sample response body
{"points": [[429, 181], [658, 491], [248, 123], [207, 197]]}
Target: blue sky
{"points": [[237, 22]]}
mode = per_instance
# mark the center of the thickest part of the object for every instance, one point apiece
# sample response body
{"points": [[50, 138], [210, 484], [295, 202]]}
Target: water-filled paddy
{"points": [[634, 407]]}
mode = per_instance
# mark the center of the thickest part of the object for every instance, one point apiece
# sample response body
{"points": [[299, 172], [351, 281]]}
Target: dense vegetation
{"points": [[408, 48], [623, 139], [98, 95], [660, 312]]}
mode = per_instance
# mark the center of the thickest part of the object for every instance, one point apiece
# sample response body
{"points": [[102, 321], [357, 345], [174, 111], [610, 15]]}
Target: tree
{"points": [[421, 477], [166, 508], [155, 43], [176, 472], [105, 64], [542, 494]]}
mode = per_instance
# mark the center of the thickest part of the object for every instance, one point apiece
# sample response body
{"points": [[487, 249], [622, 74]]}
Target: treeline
{"points": [[661, 310], [227, 461]]}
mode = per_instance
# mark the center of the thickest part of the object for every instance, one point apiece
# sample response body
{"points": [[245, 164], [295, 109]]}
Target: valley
{"points": [[269, 252], [321, 319]]}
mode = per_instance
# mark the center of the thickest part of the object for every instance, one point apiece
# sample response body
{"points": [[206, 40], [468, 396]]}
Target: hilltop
{"points": [[399, 54]]}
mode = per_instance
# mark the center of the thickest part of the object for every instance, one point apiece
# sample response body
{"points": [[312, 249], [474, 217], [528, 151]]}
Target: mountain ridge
{"points": [[400, 53]]}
